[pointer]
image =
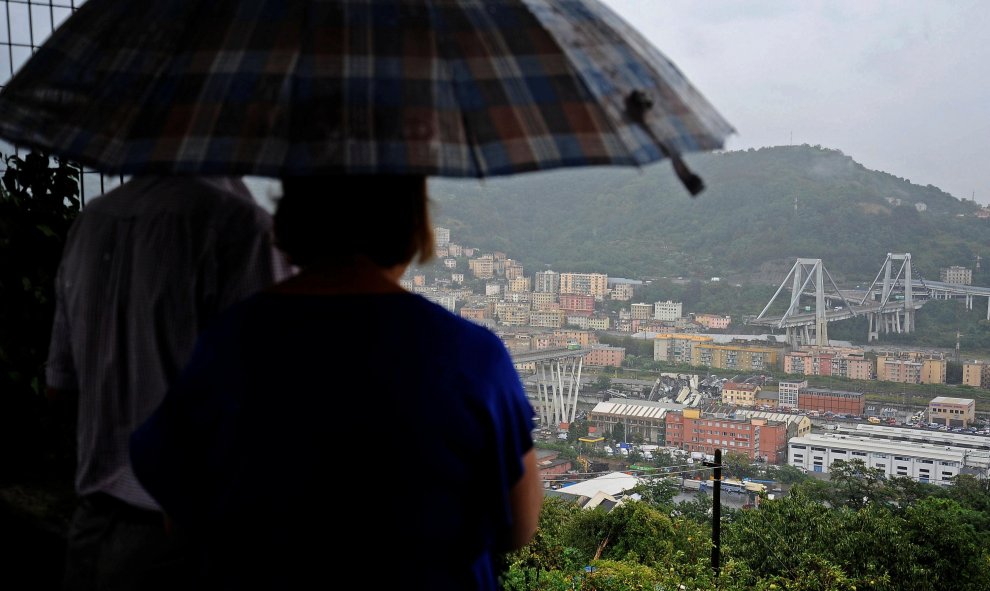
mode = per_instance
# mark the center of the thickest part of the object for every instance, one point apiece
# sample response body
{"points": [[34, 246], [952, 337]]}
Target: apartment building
{"points": [[739, 394], [713, 321], [441, 236], [690, 430], [476, 313], [787, 392], [976, 374], [544, 300], [520, 284], [900, 370], [546, 281], [829, 361], [560, 339], [677, 347], [956, 274], [512, 314], [482, 267], [641, 311], [546, 318], [457, 277], [513, 269], [573, 302], [741, 357], [455, 250], [667, 311], [622, 292], [605, 356], [593, 284], [933, 371]]}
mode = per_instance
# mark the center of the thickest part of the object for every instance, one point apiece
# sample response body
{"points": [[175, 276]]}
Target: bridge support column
{"points": [[873, 331], [558, 385]]}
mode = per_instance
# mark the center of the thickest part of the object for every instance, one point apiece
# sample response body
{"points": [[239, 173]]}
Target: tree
{"points": [[658, 492], [38, 203], [738, 465], [856, 484], [603, 382], [948, 551]]}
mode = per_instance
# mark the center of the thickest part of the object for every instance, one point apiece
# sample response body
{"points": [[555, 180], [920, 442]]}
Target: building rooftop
{"points": [[902, 448], [613, 483], [951, 400], [638, 409]]}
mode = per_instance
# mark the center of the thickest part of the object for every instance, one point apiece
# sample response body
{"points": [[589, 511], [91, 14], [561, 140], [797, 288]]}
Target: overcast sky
{"points": [[900, 86]]}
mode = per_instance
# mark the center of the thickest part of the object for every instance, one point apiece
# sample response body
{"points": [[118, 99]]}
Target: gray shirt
{"points": [[145, 268]]}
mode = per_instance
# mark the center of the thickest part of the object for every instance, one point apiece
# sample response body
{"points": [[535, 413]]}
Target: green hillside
{"points": [[762, 209]]}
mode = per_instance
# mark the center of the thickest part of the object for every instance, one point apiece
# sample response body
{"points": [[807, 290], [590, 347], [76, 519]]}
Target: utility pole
{"points": [[716, 510]]}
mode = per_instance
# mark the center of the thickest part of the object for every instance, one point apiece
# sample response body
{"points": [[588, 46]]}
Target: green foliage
{"points": [[37, 205], [915, 539], [639, 223], [738, 465], [658, 492]]}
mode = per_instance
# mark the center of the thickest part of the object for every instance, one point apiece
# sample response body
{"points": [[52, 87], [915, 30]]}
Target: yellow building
{"points": [[933, 371], [593, 284], [677, 347], [739, 394], [953, 412], [740, 357], [894, 369], [976, 374]]}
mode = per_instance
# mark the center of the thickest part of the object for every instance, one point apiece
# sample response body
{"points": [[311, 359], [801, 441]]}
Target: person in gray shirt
{"points": [[145, 268]]}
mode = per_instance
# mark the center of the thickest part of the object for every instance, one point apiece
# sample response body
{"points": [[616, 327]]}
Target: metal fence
{"points": [[24, 26]]}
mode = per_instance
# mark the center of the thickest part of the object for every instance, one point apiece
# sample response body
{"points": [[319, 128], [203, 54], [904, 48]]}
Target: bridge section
{"points": [[887, 309], [558, 382]]}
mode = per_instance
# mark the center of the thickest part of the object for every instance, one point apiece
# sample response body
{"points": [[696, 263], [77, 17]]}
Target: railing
{"points": [[24, 26]]}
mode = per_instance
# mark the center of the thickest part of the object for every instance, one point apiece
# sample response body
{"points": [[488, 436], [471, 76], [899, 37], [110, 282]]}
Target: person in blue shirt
{"points": [[338, 420]]}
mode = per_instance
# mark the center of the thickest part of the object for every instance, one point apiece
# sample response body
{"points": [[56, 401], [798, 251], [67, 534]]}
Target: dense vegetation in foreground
{"points": [[858, 531]]}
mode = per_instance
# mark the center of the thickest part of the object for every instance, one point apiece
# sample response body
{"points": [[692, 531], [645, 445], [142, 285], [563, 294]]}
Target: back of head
{"points": [[335, 218]]}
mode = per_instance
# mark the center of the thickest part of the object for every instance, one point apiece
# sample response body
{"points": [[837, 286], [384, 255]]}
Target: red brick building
{"points": [[834, 401], [757, 438]]}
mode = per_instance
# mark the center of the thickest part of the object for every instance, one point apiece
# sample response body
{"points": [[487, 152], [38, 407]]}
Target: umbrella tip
{"points": [[693, 184]]}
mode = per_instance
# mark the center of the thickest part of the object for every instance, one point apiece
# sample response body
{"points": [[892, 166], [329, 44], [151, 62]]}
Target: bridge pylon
{"points": [[896, 320], [800, 275]]}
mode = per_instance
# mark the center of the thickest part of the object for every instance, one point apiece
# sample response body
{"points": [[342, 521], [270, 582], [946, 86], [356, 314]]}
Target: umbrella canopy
{"points": [[459, 88]]}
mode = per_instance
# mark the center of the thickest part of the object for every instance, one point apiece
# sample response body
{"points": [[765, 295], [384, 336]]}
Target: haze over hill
{"points": [[762, 209]]}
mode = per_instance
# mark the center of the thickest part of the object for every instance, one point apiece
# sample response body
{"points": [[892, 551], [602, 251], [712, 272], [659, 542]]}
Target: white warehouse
{"points": [[920, 461]]}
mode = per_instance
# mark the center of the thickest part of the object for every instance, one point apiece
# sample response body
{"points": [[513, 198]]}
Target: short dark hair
{"points": [[332, 218]]}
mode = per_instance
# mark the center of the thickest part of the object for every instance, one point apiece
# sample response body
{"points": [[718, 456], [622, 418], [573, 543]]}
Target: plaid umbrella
{"points": [[460, 88]]}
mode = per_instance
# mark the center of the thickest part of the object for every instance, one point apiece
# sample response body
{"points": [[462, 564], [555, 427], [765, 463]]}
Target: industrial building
{"points": [[924, 462]]}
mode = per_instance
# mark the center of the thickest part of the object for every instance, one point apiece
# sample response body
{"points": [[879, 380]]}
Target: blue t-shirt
{"points": [[310, 435]]}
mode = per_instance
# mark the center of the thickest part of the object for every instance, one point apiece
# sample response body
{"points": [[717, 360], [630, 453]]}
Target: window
{"points": [[861, 454], [798, 447]]}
